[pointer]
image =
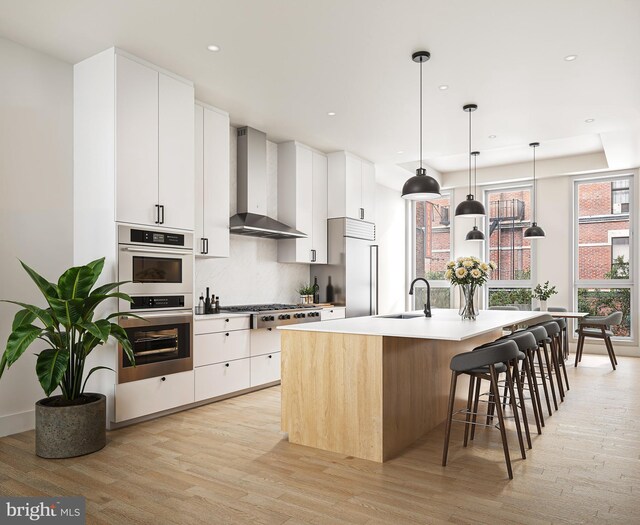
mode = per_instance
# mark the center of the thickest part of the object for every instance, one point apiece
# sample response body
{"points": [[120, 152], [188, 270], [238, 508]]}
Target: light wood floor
{"points": [[228, 463]]}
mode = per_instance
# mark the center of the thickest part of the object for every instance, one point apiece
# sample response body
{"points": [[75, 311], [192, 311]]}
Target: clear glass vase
{"points": [[469, 303]]}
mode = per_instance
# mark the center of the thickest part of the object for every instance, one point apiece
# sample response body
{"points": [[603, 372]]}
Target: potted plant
{"points": [[469, 273], [542, 293], [72, 423], [306, 293]]}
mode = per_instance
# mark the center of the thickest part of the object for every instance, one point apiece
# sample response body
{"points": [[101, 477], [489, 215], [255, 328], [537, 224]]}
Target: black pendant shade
{"points": [[421, 187], [534, 232], [475, 235], [470, 208]]}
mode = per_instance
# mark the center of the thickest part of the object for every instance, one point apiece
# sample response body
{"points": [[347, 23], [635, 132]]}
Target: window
{"points": [[432, 250], [509, 215], [603, 266]]}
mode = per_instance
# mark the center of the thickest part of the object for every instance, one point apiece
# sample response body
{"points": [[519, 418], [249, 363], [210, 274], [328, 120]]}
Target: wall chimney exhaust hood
{"points": [[251, 218]]}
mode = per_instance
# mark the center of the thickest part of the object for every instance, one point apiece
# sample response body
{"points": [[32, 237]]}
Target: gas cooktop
{"points": [[273, 315], [251, 308]]}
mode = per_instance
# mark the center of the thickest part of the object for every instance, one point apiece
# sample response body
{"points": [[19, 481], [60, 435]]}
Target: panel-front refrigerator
{"points": [[351, 276]]}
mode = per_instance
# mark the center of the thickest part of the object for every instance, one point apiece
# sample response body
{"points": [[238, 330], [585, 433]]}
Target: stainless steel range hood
{"points": [[252, 219]]}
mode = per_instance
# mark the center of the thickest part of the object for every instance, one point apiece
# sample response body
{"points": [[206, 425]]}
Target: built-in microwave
{"points": [[158, 268]]}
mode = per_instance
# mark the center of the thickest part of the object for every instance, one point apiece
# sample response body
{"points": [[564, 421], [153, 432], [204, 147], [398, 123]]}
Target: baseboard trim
{"points": [[16, 423]]}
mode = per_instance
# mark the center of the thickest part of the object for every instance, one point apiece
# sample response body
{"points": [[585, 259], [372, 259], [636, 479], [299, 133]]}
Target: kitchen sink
{"points": [[401, 316]]}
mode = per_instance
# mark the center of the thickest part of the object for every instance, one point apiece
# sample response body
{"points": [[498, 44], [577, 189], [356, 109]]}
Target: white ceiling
{"points": [[285, 63]]}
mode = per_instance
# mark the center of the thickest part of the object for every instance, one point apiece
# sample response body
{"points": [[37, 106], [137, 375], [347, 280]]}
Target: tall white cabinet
{"points": [[352, 186], [154, 118], [302, 202], [211, 181]]}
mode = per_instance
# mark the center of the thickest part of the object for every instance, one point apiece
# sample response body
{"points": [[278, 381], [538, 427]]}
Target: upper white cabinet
{"points": [[352, 186], [154, 127], [212, 181], [302, 202]]}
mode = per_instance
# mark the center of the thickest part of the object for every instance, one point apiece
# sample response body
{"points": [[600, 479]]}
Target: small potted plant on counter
{"points": [[306, 293], [542, 293], [73, 423]]}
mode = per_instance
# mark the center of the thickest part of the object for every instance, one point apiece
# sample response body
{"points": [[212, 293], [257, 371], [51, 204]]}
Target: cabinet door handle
{"points": [[269, 329], [270, 357], [362, 213], [157, 221], [227, 334], [202, 244], [227, 365], [207, 246], [226, 320], [162, 211], [163, 379], [313, 256]]}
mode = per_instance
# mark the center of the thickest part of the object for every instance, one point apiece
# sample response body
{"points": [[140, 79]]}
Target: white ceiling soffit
{"points": [[285, 64], [622, 149]]}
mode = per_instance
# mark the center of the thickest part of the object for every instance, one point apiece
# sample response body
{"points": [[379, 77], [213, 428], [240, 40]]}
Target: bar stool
{"points": [[553, 340], [565, 339], [598, 327], [563, 346], [540, 335], [486, 364]]}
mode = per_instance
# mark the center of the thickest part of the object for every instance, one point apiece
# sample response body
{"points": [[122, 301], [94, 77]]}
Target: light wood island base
{"points": [[365, 396]]}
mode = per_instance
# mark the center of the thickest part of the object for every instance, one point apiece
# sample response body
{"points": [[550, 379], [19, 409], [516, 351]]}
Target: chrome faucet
{"points": [[427, 306]]}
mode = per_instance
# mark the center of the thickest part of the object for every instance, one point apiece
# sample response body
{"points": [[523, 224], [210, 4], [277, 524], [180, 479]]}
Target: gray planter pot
{"points": [[69, 431]]}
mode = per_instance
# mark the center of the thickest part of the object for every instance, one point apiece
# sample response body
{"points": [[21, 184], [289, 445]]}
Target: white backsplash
{"points": [[252, 273]]}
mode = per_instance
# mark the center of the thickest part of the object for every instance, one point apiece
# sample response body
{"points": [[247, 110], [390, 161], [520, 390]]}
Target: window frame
{"points": [[576, 282], [441, 283], [506, 283]]}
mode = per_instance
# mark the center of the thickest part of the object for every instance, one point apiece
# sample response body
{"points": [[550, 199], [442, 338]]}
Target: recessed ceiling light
{"points": [[443, 87], [332, 113], [213, 47], [492, 136], [400, 152], [589, 120], [570, 58]]}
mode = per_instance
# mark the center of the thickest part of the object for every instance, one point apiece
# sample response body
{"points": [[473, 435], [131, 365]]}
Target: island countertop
{"points": [[443, 325]]}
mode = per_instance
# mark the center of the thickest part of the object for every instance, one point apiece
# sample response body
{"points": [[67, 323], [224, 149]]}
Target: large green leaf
{"points": [[3, 363], [119, 333], [92, 302], [94, 369], [106, 288], [76, 282], [43, 315], [49, 290], [50, 367], [100, 329], [19, 341], [67, 311], [22, 317]]}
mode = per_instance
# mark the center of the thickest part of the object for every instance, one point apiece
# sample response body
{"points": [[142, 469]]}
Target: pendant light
{"points": [[470, 207], [475, 234], [534, 231], [421, 187]]}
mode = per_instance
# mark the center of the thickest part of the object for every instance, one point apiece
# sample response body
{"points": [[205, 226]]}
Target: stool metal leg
{"points": [[535, 395], [498, 406], [543, 380], [548, 374], [556, 367], [523, 407], [447, 432], [472, 381], [514, 407], [476, 401], [561, 362]]}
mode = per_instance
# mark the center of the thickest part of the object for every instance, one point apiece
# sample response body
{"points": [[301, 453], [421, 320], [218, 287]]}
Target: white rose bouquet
{"points": [[468, 270]]}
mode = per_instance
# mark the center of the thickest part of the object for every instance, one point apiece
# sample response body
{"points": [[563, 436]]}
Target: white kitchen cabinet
{"points": [[265, 341], [136, 142], [265, 369], [328, 314], [212, 181], [302, 202], [175, 154], [148, 396], [221, 323], [352, 186], [222, 378], [154, 117], [221, 346]]}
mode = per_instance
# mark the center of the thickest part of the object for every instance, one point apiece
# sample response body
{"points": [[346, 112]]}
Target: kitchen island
{"points": [[368, 387]]}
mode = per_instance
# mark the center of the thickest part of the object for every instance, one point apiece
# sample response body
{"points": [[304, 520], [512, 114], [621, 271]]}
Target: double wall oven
{"points": [[157, 266]]}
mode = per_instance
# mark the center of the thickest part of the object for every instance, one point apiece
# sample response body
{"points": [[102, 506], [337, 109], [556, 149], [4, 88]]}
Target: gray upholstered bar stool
{"points": [[553, 340], [540, 335], [565, 332], [485, 364], [598, 327], [562, 348]]}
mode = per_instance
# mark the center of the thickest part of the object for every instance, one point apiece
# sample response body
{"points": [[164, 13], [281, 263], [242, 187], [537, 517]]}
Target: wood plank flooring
{"points": [[228, 463]]}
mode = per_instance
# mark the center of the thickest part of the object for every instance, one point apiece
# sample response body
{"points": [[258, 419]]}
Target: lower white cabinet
{"points": [[220, 346], [265, 341], [265, 369], [222, 378], [333, 313], [147, 396]]}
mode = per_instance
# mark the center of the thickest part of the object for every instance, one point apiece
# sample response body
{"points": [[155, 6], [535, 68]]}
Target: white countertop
{"points": [[223, 315], [444, 325]]}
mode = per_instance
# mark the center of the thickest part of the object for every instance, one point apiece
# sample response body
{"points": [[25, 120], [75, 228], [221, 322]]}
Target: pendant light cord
{"points": [[421, 114], [475, 182], [535, 186], [470, 152]]}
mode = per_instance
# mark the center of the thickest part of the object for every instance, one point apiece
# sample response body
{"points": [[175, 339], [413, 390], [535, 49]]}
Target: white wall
{"points": [[390, 233], [252, 273], [36, 218]]}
